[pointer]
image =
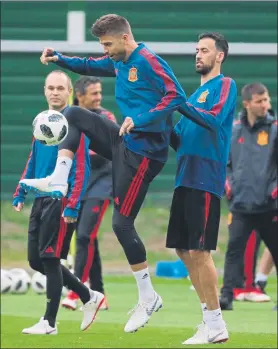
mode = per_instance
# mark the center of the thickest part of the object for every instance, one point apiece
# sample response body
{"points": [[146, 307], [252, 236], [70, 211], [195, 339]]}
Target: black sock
{"points": [[74, 284], [54, 285]]}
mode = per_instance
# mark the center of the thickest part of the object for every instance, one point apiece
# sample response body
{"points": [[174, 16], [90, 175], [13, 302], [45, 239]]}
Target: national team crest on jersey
{"points": [[203, 97], [262, 138], [132, 75]]}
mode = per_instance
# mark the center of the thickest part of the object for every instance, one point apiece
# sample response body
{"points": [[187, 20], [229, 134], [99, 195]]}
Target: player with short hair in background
{"points": [[52, 221], [87, 265]]}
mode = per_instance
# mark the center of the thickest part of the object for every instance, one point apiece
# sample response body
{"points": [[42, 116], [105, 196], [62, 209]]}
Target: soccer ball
{"points": [[38, 283], [6, 281], [21, 281], [50, 127]]}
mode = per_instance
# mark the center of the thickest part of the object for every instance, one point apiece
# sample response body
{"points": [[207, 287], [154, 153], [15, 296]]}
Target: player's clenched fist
{"points": [[48, 56]]}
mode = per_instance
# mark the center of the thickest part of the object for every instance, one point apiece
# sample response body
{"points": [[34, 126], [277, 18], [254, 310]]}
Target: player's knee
{"points": [[182, 253], [36, 264], [51, 264], [82, 241], [234, 245], [122, 226], [199, 256], [127, 236]]}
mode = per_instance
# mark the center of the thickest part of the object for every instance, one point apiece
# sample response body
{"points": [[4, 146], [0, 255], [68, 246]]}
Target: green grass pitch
{"points": [[250, 325]]}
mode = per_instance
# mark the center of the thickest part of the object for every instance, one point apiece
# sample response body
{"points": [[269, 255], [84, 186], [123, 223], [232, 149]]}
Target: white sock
{"points": [[213, 319], [62, 169], [261, 277], [204, 309], [144, 284]]}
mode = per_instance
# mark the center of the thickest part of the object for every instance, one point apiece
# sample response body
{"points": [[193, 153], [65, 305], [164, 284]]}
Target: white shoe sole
{"points": [[68, 306], [56, 194], [41, 334]]}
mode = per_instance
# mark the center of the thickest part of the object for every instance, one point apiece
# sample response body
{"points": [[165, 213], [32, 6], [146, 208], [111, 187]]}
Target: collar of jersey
{"points": [[135, 53], [220, 76]]}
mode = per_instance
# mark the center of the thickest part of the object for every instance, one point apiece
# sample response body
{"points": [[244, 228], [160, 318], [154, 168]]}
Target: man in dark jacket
{"points": [[87, 266], [251, 185]]}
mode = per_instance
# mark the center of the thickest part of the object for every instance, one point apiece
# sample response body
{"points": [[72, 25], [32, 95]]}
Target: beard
{"points": [[204, 69], [120, 56]]}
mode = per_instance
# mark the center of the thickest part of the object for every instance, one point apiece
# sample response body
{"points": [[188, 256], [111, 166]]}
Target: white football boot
{"points": [[91, 308], [70, 301], [200, 337], [218, 335], [45, 185], [142, 313], [42, 327], [256, 296], [205, 335]]}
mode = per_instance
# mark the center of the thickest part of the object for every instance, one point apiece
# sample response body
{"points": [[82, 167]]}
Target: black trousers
{"points": [[247, 271], [87, 260], [240, 229], [48, 234]]}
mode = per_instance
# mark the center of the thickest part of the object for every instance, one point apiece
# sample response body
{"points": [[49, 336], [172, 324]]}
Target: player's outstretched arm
{"points": [[224, 102], [20, 193], [102, 66]]}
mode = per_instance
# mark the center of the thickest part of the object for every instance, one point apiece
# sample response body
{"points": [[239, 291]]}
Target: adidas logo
{"points": [[145, 276], [49, 250], [63, 163]]}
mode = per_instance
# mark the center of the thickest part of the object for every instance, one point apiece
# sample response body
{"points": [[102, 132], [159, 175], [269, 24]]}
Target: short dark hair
{"points": [[110, 24], [82, 84], [221, 43], [249, 90]]}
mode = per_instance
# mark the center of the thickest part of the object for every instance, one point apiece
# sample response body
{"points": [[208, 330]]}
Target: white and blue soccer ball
{"points": [[38, 283], [6, 281], [50, 127], [21, 281]]}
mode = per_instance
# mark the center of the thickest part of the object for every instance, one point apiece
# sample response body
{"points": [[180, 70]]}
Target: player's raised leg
{"points": [[103, 133]]}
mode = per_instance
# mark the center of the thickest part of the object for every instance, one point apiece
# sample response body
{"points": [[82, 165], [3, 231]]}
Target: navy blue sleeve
{"points": [[102, 66], [224, 102], [163, 79]]}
